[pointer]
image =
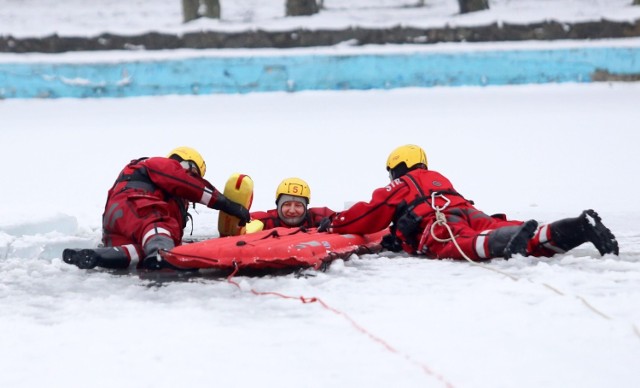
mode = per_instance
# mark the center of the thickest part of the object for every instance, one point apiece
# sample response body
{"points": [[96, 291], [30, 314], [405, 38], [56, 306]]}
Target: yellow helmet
{"points": [[189, 154], [294, 186], [410, 155]]}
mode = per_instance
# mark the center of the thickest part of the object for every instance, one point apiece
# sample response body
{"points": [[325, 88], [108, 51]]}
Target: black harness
{"points": [[139, 179], [406, 221]]}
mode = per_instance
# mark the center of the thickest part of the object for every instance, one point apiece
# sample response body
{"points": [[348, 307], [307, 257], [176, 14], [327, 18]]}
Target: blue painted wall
{"points": [[207, 75]]}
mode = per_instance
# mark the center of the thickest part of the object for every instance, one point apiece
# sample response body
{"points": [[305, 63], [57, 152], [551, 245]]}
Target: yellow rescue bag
{"points": [[239, 189]]}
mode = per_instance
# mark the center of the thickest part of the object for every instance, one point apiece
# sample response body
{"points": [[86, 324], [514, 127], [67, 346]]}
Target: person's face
{"points": [[292, 209]]}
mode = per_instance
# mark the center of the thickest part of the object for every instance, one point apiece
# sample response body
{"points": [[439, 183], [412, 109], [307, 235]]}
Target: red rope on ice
{"points": [[355, 324]]}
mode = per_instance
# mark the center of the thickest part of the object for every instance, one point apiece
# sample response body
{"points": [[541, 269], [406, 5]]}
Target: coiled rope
{"points": [[441, 220]]}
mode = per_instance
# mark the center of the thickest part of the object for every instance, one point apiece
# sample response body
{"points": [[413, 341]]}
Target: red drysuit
{"points": [[406, 202], [151, 197], [312, 218]]}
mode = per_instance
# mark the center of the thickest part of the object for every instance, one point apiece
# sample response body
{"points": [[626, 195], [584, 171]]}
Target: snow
{"points": [[32, 18], [543, 152]]}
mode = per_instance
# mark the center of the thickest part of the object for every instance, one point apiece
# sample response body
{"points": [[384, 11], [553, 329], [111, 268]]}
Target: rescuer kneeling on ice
{"points": [[146, 211]]}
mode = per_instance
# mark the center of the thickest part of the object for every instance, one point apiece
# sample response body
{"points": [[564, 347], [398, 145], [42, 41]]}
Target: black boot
{"points": [[572, 232], [519, 241], [111, 257], [510, 240], [153, 260], [599, 235], [82, 258]]}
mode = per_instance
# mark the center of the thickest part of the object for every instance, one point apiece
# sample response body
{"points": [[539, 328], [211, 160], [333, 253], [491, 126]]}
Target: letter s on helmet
{"points": [[294, 186], [190, 155], [404, 159]]}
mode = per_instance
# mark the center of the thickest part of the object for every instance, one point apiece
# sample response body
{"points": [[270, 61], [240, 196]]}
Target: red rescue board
{"points": [[279, 248]]}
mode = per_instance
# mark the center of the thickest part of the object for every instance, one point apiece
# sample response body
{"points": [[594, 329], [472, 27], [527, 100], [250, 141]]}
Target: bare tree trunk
{"points": [[212, 9], [467, 6], [301, 7], [190, 10]]}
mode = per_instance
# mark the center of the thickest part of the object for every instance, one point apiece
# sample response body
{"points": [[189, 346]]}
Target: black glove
{"points": [[233, 208], [324, 224], [391, 243]]}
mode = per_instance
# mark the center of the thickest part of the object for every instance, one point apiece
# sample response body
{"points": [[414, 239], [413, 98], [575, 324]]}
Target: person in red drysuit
{"points": [[292, 200], [416, 194], [146, 211]]}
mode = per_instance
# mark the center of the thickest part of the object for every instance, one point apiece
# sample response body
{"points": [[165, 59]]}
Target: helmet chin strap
{"points": [[190, 166]]}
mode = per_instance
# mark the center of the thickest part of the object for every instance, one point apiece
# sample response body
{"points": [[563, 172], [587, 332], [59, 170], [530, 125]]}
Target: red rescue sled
{"points": [[273, 249]]}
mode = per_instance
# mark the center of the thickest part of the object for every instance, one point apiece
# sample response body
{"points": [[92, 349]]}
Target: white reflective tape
{"points": [[554, 248], [154, 232], [133, 254], [480, 246], [543, 234], [480, 251], [545, 241], [207, 194]]}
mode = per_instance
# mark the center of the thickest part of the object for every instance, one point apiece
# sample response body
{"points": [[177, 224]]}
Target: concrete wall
{"points": [[224, 74]]}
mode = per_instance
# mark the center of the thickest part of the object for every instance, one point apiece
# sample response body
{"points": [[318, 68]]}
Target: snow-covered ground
{"points": [[543, 152], [33, 18]]}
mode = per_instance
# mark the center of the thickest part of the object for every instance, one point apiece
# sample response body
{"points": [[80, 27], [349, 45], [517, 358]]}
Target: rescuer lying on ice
{"points": [[146, 211], [416, 195]]}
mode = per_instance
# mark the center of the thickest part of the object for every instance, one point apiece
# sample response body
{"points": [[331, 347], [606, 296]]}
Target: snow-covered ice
{"points": [[543, 152]]}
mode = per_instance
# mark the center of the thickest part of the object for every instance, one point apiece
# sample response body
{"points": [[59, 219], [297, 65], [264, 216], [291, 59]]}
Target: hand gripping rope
{"points": [[441, 220]]}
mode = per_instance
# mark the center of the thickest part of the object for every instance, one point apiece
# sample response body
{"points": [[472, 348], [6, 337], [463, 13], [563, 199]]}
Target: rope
{"points": [[441, 220], [307, 300]]}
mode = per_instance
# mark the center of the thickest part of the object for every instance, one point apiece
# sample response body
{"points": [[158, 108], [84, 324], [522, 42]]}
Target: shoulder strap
{"points": [[424, 198], [421, 199]]}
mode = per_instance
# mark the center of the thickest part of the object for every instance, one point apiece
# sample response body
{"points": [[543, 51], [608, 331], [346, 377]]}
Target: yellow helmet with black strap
{"points": [[405, 158], [190, 156]]}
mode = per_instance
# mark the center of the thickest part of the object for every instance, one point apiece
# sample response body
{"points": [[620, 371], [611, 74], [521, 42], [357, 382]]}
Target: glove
{"points": [[391, 243], [324, 224], [233, 208]]}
